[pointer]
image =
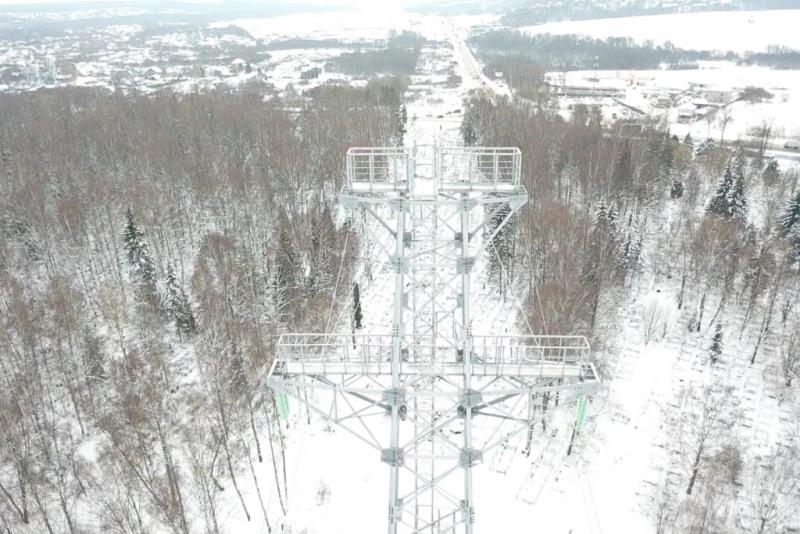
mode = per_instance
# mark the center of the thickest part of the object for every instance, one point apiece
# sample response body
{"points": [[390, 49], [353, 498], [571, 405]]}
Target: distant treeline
{"points": [[546, 52], [398, 58], [776, 57], [298, 44], [541, 11], [577, 52], [522, 74]]}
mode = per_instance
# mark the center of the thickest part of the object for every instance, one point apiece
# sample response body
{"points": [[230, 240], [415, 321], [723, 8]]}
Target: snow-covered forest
{"points": [[151, 249], [154, 246], [686, 246]]}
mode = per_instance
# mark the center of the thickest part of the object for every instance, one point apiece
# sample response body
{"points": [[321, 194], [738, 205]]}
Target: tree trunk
{"points": [[702, 309], [258, 488], [765, 324], [275, 467], [695, 470], [683, 288]]}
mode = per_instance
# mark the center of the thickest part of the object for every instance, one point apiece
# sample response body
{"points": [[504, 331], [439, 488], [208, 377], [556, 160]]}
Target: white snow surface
{"points": [[642, 88], [625, 450], [739, 31], [365, 24]]}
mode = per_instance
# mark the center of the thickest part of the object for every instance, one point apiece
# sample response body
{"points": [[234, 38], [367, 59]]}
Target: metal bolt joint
{"points": [[392, 456], [469, 457]]}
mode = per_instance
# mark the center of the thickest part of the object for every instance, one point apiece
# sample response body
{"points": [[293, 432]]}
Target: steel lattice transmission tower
{"points": [[442, 396]]}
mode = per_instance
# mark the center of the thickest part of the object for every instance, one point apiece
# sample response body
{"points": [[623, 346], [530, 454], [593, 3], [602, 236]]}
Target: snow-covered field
{"points": [[337, 485], [646, 89], [628, 449], [739, 31], [371, 24]]}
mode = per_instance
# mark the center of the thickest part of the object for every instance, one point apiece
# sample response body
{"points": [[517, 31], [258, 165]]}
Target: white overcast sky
{"points": [[370, 4]]}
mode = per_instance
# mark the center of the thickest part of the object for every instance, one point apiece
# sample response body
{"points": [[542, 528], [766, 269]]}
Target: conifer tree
{"points": [[666, 158], [739, 163], [790, 218], [729, 199], [604, 227], [358, 316], [468, 133], [500, 249], [288, 275], [623, 170], [705, 148], [689, 142], [142, 269], [676, 189], [771, 172], [630, 247], [177, 305], [737, 201], [402, 122], [715, 351], [790, 224], [719, 202]]}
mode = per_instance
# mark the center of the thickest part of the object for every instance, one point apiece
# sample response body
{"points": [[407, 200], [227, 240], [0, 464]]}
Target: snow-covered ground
{"points": [[370, 24], [338, 485], [365, 24], [739, 31], [645, 90], [628, 448], [514, 492]]}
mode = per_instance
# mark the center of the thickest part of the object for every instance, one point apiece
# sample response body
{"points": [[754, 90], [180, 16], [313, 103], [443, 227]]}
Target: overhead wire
{"points": [[304, 431]]}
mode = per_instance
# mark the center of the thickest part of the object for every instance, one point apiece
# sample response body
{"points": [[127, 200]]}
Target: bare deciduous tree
{"points": [[772, 491], [790, 357], [700, 429]]}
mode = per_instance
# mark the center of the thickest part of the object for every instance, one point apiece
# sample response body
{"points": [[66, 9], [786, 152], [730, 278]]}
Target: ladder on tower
{"points": [[451, 396]]}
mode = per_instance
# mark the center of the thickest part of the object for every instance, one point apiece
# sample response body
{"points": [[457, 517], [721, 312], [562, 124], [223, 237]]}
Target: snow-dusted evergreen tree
{"points": [[500, 249], [629, 252], [666, 157], [468, 133], [705, 148], [772, 172], [142, 268], [605, 221], [321, 257], [739, 163], [676, 189], [689, 142], [794, 238], [719, 202], [402, 122], [622, 177], [288, 273], [737, 200], [715, 350], [790, 224], [729, 198], [790, 218], [177, 305], [358, 315]]}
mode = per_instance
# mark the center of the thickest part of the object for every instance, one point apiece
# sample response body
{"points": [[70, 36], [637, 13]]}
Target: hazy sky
{"points": [[368, 4]]}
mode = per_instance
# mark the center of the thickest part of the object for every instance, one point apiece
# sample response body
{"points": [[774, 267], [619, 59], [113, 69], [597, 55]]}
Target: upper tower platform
{"points": [[378, 170]]}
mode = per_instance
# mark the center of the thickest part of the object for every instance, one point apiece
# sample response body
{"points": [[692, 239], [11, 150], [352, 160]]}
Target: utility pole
{"points": [[430, 374]]}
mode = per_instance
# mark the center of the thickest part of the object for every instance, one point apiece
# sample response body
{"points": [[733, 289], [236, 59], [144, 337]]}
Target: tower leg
{"points": [[394, 457], [467, 452]]}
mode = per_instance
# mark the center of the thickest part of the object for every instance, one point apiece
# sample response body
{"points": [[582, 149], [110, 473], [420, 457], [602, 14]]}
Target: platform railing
{"points": [[543, 356], [380, 168], [479, 167]]}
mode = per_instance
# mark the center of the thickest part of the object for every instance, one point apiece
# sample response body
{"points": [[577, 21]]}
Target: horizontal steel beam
{"points": [[533, 369]]}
